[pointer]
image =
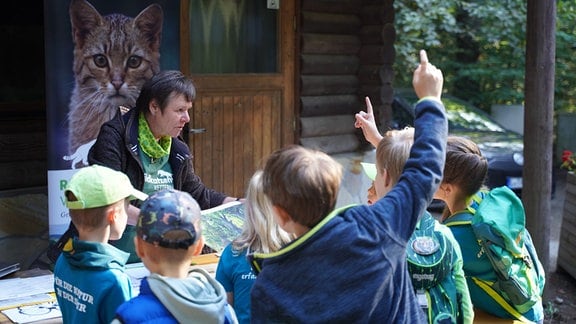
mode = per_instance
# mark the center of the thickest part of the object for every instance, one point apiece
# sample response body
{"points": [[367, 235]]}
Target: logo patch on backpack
{"points": [[429, 255], [425, 245]]}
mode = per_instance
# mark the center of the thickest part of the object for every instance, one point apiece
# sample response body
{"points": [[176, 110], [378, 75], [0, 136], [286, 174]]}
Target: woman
{"points": [[145, 144]]}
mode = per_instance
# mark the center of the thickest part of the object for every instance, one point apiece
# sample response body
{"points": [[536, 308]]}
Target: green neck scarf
{"points": [[152, 148]]}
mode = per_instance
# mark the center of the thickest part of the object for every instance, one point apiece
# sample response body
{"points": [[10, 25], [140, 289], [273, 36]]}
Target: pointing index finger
{"points": [[423, 57], [368, 105]]}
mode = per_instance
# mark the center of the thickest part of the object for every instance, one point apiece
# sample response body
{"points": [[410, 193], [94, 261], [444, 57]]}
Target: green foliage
{"points": [[565, 83], [480, 46], [550, 311]]}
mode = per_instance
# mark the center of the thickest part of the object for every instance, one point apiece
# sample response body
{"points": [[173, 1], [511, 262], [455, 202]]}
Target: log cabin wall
{"points": [[343, 58]]}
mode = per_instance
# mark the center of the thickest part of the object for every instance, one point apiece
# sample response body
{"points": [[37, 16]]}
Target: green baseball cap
{"points": [[369, 169], [98, 186]]}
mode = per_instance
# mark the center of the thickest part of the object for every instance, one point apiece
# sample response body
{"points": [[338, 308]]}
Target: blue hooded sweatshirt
{"points": [[90, 282]]}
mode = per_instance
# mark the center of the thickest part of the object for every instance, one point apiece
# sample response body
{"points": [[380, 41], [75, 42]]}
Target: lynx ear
{"points": [[84, 18], [149, 21]]}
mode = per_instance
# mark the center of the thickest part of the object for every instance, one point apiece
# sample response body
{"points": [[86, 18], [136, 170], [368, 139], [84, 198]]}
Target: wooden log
{"points": [[330, 44], [23, 147], [318, 85], [369, 75], [378, 12], [372, 91], [330, 105], [371, 34], [327, 125], [332, 144], [376, 54], [327, 23], [389, 37], [328, 64], [23, 174]]}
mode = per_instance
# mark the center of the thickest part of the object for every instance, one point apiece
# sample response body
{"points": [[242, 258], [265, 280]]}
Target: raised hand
{"points": [[366, 121], [427, 79]]}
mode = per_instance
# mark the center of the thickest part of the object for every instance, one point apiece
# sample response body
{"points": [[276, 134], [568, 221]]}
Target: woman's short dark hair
{"points": [[162, 85]]}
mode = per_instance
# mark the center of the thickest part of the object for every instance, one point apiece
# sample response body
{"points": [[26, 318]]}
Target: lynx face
{"points": [[113, 56]]}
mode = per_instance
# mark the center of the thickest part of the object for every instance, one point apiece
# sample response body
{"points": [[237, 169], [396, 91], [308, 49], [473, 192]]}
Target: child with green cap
{"points": [[89, 278]]}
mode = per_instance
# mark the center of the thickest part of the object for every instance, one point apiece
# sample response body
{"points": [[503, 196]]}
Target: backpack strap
{"points": [[465, 217], [460, 218], [487, 287]]}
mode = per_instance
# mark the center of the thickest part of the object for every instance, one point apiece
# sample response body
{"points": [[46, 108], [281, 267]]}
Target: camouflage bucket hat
{"points": [[166, 211]]}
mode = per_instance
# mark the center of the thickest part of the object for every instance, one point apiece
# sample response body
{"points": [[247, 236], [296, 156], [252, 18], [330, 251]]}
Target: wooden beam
{"points": [[330, 105], [328, 84], [327, 125]]}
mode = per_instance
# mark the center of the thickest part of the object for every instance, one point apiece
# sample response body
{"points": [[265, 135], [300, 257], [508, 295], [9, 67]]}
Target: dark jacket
{"points": [[117, 147]]}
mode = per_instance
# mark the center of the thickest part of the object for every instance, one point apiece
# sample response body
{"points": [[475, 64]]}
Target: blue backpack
{"points": [[498, 221], [429, 255]]}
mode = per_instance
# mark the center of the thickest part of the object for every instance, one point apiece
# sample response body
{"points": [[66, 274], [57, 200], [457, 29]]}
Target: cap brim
{"points": [[137, 194], [369, 169]]}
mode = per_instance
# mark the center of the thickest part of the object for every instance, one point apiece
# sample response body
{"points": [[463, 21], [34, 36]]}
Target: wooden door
{"points": [[238, 119]]}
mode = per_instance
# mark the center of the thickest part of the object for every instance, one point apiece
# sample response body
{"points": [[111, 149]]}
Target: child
{"points": [[464, 176], [348, 265], [448, 300], [168, 235], [89, 278], [260, 234]]}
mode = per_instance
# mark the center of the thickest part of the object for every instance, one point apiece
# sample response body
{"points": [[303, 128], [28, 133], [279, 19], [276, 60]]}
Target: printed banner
{"points": [[98, 55]]}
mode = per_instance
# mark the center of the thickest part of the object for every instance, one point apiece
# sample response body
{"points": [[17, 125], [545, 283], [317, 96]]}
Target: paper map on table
{"points": [[221, 224], [33, 313]]}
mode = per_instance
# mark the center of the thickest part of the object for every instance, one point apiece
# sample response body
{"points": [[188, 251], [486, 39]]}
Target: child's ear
{"points": [[199, 246], [282, 216], [387, 179], [111, 215], [139, 247]]}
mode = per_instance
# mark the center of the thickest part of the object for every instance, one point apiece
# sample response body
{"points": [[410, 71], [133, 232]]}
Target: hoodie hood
{"points": [[199, 297], [94, 255]]}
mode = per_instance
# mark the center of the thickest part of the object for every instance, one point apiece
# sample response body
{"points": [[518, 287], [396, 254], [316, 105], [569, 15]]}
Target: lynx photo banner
{"points": [[98, 55]]}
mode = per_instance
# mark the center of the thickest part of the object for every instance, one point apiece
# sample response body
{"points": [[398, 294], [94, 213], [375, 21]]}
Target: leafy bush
{"points": [[480, 46]]}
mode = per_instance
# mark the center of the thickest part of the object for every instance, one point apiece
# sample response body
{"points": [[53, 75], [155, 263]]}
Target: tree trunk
{"points": [[538, 120]]}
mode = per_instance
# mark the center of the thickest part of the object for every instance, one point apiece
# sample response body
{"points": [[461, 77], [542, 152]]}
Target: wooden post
{"points": [[538, 123]]}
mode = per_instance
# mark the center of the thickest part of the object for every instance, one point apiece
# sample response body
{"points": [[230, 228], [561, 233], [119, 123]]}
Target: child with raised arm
{"points": [[440, 286], [168, 236], [259, 234], [349, 265], [89, 278]]}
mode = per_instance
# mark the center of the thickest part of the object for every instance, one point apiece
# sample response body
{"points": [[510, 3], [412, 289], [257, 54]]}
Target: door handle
{"points": [[197, 130]]}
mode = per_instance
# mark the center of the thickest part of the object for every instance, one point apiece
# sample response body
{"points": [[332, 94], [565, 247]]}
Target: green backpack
{"points": [[498, 221], [429, 255]]}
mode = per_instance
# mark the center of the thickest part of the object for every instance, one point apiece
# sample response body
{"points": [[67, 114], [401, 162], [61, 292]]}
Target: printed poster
{"points": [[98, 55]]}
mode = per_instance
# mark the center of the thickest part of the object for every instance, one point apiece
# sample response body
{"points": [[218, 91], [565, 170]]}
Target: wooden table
{"points": [[208, 262]]}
